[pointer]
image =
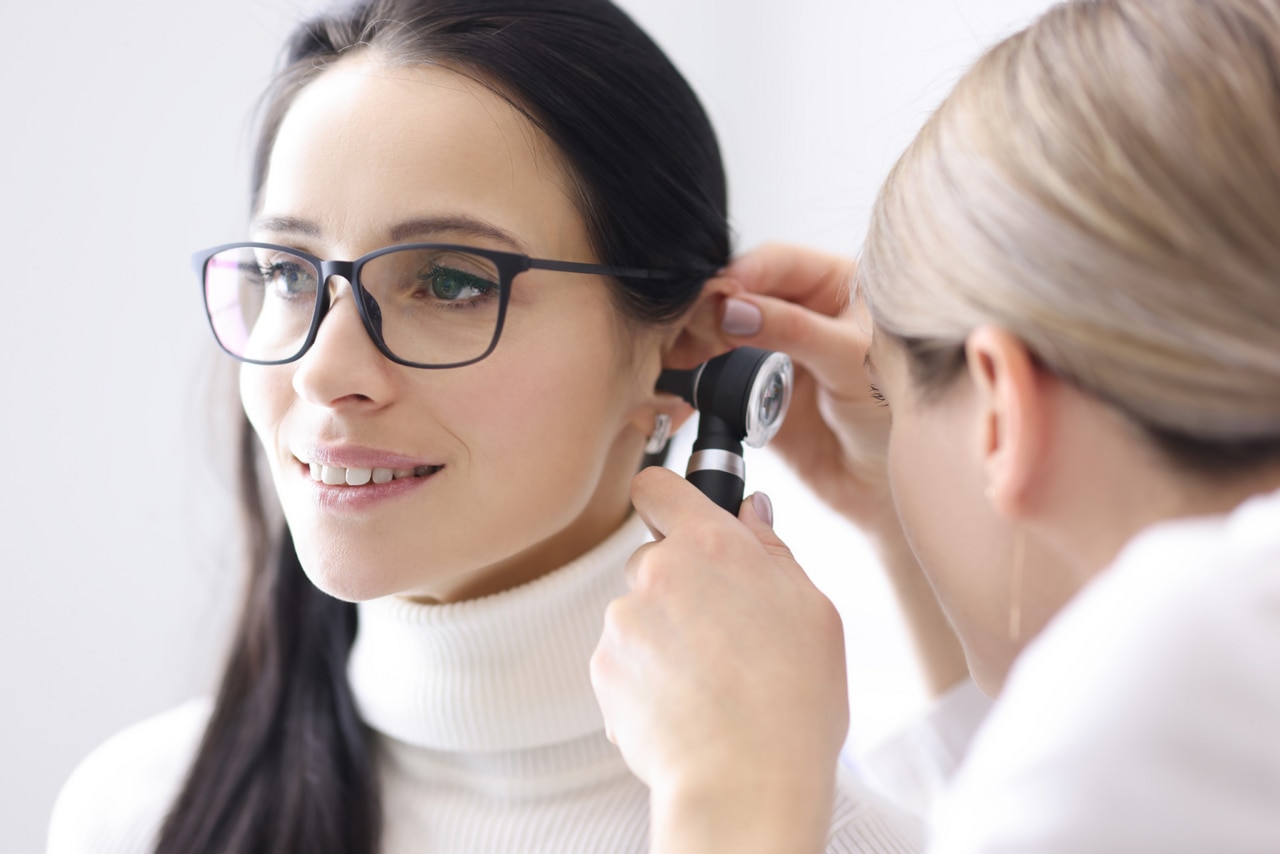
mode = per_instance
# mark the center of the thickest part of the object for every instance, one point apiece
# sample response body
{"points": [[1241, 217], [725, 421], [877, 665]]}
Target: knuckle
{"points": [[779, 550], [827, 617], [616, 616]]}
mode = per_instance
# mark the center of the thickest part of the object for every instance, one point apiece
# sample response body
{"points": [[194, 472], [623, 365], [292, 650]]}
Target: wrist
{"points": [[769, 812]]}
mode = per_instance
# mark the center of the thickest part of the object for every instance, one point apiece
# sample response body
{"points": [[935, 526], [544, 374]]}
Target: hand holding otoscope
{"points": [[741, 395], [710, 588]]}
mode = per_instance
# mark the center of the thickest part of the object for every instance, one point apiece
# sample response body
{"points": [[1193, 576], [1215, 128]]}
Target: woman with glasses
{"points": [[480, 229], [1058, 386]]}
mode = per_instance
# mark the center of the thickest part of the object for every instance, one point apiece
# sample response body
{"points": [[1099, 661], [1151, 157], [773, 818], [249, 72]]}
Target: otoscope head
{"points": [[748, 388]]}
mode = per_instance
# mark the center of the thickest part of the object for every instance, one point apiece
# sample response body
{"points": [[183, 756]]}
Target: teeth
{"points": [[339, 476]]}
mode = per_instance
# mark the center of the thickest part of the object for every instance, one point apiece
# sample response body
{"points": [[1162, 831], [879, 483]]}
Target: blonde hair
{"points": [[1106, 186]]}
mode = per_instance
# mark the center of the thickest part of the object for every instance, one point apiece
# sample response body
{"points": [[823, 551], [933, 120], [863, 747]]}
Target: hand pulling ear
{"points": [[741, 395]]}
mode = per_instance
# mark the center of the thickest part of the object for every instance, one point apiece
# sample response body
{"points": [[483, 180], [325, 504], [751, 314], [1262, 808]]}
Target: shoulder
{"points": [[116, 799], [1145, 714], [865, 822], [915, 763]]}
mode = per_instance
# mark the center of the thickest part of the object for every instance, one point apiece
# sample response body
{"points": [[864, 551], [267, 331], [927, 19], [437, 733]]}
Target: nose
{"points": [[343, 367]]}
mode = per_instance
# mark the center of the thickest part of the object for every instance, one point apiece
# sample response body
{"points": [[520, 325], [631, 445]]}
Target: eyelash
{"points": [[877, 395]]}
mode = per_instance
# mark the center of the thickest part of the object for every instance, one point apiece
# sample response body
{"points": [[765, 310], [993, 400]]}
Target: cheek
{"points": [[545, 411], [918, 473], [937, 488], [264, 396]]}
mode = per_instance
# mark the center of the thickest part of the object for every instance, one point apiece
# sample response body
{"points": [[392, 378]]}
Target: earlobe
{"points": [[1010, 404]]}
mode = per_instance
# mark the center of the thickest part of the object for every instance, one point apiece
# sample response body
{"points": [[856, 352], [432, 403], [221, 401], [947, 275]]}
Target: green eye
{"points": [[450, 285], [287, 278]]}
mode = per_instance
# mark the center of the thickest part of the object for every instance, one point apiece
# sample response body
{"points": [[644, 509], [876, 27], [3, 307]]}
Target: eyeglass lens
{"points": [[432, 306]]}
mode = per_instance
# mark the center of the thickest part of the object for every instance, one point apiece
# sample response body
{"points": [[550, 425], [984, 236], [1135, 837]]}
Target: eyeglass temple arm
{"points": [[618, 272]]}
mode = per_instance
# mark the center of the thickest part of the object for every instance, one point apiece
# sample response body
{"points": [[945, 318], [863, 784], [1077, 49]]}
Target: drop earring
{"points": [[661, 433], [1015, 576], [1015, 587]]}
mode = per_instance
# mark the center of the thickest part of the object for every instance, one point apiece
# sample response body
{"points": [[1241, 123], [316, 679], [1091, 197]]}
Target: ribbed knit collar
{"points": [[503, 672]]}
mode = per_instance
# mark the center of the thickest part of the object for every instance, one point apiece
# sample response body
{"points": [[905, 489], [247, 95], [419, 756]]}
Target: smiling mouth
{"points": [[339, 476]]}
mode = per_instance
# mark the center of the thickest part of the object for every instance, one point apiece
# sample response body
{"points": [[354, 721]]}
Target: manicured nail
{"points": [[763, 507], [740, 318]]}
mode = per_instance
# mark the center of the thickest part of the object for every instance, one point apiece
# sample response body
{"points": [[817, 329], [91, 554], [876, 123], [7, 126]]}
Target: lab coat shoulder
{"points": [[865, 822], [117, 798], [1144, 717]]}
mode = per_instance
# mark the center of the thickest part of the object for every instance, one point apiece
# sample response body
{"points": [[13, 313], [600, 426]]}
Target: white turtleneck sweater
{"points": [[490, 736]]}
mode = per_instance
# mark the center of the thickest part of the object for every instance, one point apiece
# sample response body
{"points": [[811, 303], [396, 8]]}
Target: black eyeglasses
{"points": [[425, 305]]}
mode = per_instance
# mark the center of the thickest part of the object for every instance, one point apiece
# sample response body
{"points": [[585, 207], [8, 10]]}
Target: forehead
{"points": [[367, 144]]}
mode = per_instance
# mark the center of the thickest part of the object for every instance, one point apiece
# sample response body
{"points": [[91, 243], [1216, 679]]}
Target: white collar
{"points": [[503, 672]]}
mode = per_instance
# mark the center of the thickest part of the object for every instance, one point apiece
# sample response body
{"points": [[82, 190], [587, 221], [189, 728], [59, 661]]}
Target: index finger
{"points": [[833, 349], [665, 500], [816, 280]]}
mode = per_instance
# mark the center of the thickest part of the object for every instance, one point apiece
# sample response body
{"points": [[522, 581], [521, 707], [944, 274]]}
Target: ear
{"points": [[1013, 404], [687, 343], [696, 337]]}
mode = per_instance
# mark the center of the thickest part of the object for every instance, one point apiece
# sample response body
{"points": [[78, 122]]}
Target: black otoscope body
{"points": [[741, 396]]}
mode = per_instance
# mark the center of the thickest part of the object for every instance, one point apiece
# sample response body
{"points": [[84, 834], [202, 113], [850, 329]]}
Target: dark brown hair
{"points": [[286, 765]]}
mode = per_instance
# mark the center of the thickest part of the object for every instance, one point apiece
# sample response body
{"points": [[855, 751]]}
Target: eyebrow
{"points": [[456, 223], [286, 225], [402, 231]]}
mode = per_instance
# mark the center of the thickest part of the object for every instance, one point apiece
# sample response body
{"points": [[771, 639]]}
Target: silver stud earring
{"points": [[661, 433]]}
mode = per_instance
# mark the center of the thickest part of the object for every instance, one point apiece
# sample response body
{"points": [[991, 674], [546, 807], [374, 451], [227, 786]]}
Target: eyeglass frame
{"points": [[508, 264]]}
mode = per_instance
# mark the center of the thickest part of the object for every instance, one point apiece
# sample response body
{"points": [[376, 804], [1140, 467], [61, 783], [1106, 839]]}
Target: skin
{"points": [[836, 434], [539, 440], [1010, 451], [1006, 452], [733, 706]]}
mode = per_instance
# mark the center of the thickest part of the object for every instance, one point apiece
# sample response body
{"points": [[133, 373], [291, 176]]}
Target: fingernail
{"points": [[740, 318], [763, 507]]}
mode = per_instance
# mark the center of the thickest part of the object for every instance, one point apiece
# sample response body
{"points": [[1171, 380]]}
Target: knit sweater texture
{"points": [[490, 738]]}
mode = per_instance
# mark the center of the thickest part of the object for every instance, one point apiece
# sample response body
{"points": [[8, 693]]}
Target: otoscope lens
{"points": [[771, 399]]}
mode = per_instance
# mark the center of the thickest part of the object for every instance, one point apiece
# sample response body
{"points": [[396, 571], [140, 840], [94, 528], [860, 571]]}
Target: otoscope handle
{"points": [[716, 466], [721, 487]]}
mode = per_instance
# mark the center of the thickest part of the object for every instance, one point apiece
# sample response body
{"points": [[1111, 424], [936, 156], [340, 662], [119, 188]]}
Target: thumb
{"points": [[756, 513]]}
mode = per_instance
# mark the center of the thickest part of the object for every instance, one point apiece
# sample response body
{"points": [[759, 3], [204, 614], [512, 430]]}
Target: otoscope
{"points": [[741, 395]]}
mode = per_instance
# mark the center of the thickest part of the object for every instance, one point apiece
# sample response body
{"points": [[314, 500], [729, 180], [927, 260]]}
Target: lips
{"points": [[339, 476], [331, 472]]}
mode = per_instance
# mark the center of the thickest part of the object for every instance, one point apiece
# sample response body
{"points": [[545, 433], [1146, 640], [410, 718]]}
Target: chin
{"points": [[988, 675], [351, 581]]}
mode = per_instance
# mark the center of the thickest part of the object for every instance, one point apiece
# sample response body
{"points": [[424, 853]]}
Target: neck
{"points": [[1135, 497], [504, 672], [1101, 484]]}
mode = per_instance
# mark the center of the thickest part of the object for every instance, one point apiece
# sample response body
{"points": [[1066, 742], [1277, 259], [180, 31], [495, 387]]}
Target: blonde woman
{"points": [[1069, 299]]}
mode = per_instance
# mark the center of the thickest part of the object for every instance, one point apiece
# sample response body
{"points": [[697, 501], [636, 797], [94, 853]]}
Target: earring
{"points": [[661, 433], [1015, 586]]}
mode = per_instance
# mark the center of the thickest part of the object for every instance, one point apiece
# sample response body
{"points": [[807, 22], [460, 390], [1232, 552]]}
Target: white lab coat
{"points": [[1146, 716]]}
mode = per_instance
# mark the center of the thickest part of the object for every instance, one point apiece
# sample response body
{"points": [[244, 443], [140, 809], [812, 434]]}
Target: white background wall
{"points": [[124, 138]]}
